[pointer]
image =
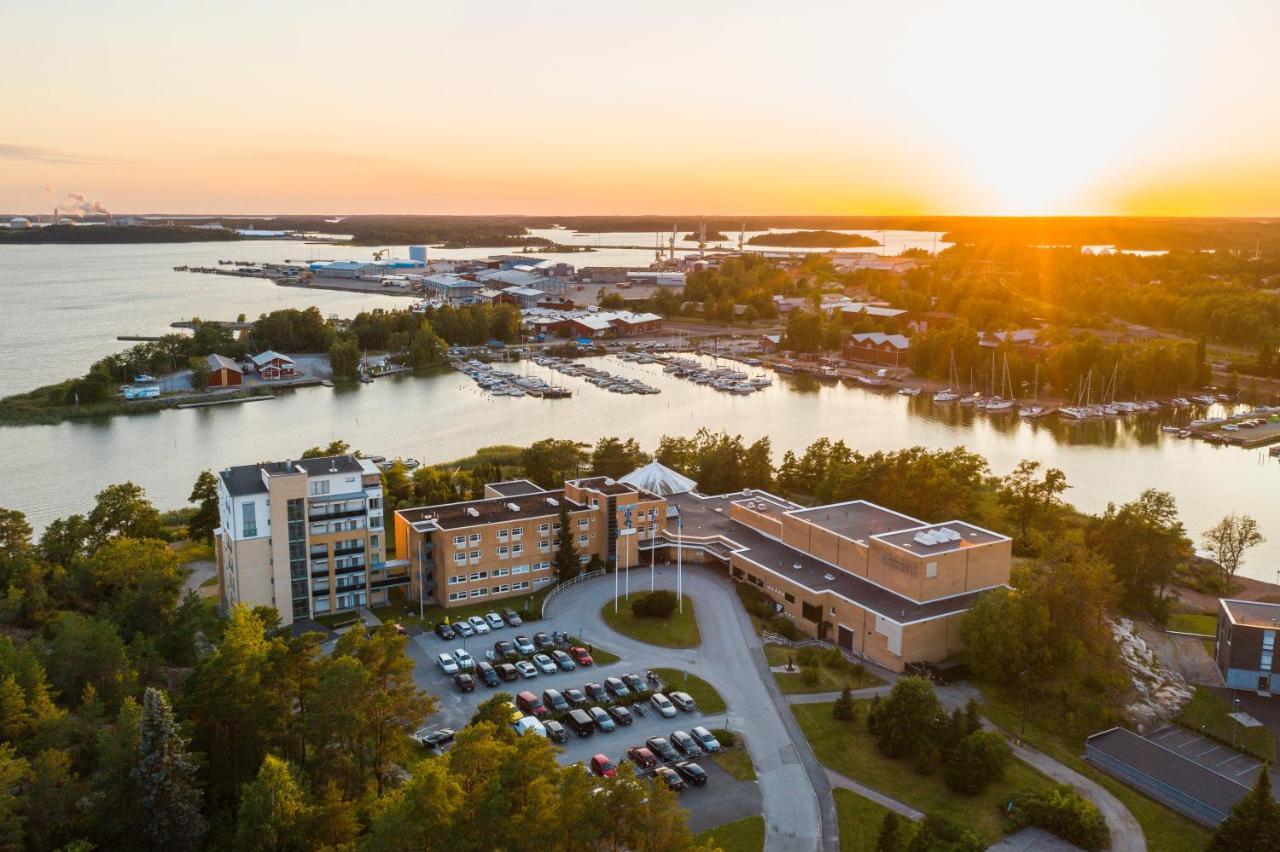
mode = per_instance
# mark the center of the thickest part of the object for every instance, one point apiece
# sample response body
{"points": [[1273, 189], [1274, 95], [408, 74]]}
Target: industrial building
{"points": [[876, 347], [304, 536], [452, 289]]}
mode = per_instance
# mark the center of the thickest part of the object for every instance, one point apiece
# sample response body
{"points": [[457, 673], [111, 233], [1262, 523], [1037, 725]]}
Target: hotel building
{"points": [[304, 536]]}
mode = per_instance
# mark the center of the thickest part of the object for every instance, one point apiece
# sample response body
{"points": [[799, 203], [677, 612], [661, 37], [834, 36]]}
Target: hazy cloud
{"points": [[37, 154]]}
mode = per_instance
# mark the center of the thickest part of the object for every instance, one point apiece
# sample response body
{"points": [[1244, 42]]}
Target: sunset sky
{"points": [[979, 107]]}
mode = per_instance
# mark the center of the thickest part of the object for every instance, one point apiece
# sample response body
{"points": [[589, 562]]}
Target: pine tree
{"points": [[566, 562], [170, 798], [891, 836], [1254, 823]]}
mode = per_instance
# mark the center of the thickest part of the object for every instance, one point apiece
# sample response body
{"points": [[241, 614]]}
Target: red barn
{"points": [[223, 372]]}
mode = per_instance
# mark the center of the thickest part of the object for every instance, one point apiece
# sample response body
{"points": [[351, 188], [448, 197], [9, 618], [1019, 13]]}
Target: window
{"points": [[249, 518], [520, 587], [582, 523], [931, 569], [375, 504], [500, 572], [582, 539], [375, 522], [544, 546], [373, 541], [595, 502], [457, 578], [459, 557], [475, 538], [318, 487], [811, 612], [556, 526], [542, 566], [583, 560], [479, 593], [457, 596], [502, 552], [501, 590], [459, 541], [542, 528], [1268, 649], [517, 549], [542, 581], [517, 532], [475, 556], [790, 598], [520, 569], [502, 535], [479, 575]]}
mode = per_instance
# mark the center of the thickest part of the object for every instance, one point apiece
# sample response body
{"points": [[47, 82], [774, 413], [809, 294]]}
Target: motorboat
{"points": [[910, 391], [946, 395]]}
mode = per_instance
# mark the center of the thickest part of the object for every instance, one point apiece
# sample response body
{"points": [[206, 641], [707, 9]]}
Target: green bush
{"points": [[809, 675], [978, 760], [726, 737], [755, 601], [654, 605], [784, 627], [845, 709], [833, 659], [1063, 812], [809, 657]]}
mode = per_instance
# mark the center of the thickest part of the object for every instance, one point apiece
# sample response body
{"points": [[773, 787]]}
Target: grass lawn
{"points": [[1185, 622], [734, 759], [860, 821], [849, 749], [1209, 714], [1164, 829], [708, 700], [679, 630], [744, 835], [829, 679]]}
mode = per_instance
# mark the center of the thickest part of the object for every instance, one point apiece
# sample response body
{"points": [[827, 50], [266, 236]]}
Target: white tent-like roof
{"points": [[659, 479]]}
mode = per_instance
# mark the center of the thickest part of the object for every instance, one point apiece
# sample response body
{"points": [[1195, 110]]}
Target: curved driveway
{"points": [[727, 658]]}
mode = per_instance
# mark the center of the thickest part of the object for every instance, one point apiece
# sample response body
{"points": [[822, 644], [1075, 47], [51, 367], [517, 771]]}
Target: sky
{"points": [[980, 107]]}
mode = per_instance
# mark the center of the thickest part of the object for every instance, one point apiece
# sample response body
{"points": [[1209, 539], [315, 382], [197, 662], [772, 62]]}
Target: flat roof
{"points": [[917, 539], [709, 516], [472, 513], [515, 487], [245, 479], [1169, 768], [605, 485], [857, 519], [1253, 613], [763, 503]]}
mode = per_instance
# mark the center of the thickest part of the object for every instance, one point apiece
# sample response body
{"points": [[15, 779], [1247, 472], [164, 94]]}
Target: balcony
{"points": [[333, 516], [357, 550], [342, 570]]}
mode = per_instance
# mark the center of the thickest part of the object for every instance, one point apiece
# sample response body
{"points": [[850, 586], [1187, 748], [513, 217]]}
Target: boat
{"points": [[1171, 429], [910, 391], [784, 368], [871, 381], [1204, 399], [1032, 411], [946, 395], [1076, 412], [998, 404]]}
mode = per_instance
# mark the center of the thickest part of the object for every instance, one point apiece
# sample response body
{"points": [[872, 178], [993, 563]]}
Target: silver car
{"points": [[479, 624], [663, 705], [544, 663], [495, 621]]}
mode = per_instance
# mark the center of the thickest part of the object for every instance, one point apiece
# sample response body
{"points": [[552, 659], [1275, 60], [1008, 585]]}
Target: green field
{"points": [[703, 693], [679, 630], [1210, 715], [734, 759], [829, 679], [849, 749], [860, 821], [744, 835]]}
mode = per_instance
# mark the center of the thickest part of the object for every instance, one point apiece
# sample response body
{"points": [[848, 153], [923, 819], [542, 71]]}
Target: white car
{"points": [[479, 624], [544, 663], [663, 705], [526, 669], [495, 621], [465, 662], [448, 663]]}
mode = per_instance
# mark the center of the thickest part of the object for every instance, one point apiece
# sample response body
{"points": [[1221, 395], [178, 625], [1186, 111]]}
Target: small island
{"points": [[712, 237], [813, 239]]}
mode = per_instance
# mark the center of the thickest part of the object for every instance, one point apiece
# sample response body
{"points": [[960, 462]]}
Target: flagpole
{"points": [[679, 564]]}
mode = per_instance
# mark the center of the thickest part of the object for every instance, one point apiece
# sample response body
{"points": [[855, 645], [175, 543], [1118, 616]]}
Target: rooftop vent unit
{"points": [[608, 481], [796, 566], [828, 577], [473, 511], [551, 501], [948, 534], [515, 507]]}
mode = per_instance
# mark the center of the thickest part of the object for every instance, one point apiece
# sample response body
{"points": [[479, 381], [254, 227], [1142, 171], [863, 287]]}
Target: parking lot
{"points": [[723, 799], [1211, 754]]}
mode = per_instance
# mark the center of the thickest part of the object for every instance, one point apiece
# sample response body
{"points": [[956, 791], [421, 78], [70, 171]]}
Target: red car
{"points": [[531, 704], [580, 656], [603, 766], [641, 757]]}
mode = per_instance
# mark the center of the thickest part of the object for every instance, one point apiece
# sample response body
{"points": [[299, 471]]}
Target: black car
{"points": [[669, 777], [434, 739], [465, 682], [692, 772], [553, 699], [662, 749], [621, 715], [580, 722], [563, 660], [555, 731], [503, 649], [511, 617], [575, 698], [486, 673], [445, 632], [507, 672], [543, 642], [635, 683], [686, 744], [616, 687], [596, 692]]}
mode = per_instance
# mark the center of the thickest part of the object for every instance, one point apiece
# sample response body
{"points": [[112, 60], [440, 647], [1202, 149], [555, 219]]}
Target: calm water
{"points": [[64, 306], [891, 242]]}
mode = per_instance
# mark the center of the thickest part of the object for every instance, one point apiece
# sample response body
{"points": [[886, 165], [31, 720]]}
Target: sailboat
{"points": [[1000, 403], [1084, 407], [949, 394], [1034, 408]]}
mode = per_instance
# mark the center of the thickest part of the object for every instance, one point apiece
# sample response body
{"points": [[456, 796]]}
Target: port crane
{"points": [[380, 254], [742, 236], [673, 241]]}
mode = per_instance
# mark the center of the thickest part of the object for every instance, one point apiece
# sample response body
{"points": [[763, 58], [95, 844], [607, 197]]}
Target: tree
{"points": [[204, 494], [567, 561], [116, 813], [15, 533], [936, 834], [396, 485], [1254, 822], [419, 813], [1144, 541], [905, 723], [551, 461], [200, 372], [136, 584], [123, 511], [274, 810], [1027, 496], [495, 710], [1065, 813], [615, 458], [1228, 540], [344, 358], [336, 447], [844, 708], [14, 774], [85, 650], [170, 796], [892, 836], [978, 760]]}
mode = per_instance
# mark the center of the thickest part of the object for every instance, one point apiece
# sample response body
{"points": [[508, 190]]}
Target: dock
{"points": [[234, 401]]}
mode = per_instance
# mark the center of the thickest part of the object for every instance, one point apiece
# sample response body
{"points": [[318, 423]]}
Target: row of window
{"points": [[497, 590], [518, 532], [476, 576]]}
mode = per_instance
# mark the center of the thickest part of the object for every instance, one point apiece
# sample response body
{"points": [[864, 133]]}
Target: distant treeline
{"points": [[812, 239], [101, 234]]}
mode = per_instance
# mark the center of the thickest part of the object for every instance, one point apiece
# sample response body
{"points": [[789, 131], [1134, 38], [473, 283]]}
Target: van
{"points": [[580, 723], [487, 673]]}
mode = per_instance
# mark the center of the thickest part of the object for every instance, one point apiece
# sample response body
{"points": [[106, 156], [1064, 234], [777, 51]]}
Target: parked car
{"points": [[507, 672], [544, 664], [641, 757], [465, 682], [635, 683], [663, 705], [447, 663], [526, 669], [486, 673], [563, 660], [621, 715], [603, 766], [524, 646], [684, 701], [596, 692], [579, 721], [669, 777], [466, 662], [580, 655], [531, 704], [543, 641], [602, 719], [692, 772], [555, 731], [529, 725], [705, 739], [434, 738], [553, 699], [504, 650], [662, 749], [616, 687], [464, 629], [511, 617], [495, 621], [575, 697], [685, 744], [478, 624], [445, 632]]}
